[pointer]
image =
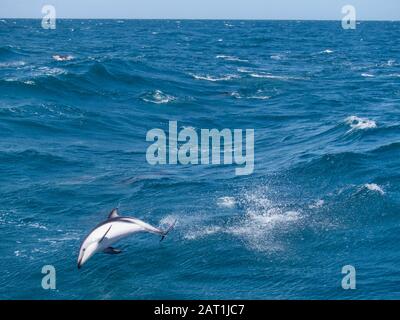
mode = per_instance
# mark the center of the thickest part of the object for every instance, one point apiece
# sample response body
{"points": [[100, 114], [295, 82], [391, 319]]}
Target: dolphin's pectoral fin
{"points": [[111, 250]]}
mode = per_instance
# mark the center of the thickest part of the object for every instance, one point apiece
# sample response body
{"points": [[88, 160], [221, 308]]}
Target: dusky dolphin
{"points": [[106, 233]]}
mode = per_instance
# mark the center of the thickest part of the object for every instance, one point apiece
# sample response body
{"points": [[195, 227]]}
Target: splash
{"points": [[202, 232], [317, 204], [264, 221], [226, 202]]}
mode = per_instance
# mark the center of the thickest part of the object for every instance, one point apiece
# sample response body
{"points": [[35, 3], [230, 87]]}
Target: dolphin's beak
{"points": [[86, 253]]}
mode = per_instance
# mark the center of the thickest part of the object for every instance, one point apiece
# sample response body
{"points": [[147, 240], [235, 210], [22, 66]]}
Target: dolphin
{"points": [[106, 233]]}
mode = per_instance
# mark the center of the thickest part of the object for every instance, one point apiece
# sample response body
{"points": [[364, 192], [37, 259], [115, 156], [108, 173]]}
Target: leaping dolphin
{"points": [[110, 231]]}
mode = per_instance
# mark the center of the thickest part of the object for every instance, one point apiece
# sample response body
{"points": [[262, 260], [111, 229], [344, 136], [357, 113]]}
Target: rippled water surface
{"points": [[325, 192]]}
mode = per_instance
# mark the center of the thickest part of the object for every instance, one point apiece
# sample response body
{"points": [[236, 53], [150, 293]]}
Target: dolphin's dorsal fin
{"points": [[113, 214]]}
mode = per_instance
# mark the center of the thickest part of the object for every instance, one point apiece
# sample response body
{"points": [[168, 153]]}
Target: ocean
{"points": [[77, 102]]}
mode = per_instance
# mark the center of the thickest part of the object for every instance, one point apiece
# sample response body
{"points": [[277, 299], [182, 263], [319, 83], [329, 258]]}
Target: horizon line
{"points": [[205, 19]]}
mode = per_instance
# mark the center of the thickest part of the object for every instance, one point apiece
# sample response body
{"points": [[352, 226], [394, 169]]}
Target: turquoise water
{"points": [[325, 192]]}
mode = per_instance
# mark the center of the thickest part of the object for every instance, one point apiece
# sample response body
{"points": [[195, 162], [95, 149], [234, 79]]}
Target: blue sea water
{"points": [[325, 192]]}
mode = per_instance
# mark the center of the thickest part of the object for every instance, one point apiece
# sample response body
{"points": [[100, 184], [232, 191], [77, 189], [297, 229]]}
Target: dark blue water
{"points": [[325, 192]]}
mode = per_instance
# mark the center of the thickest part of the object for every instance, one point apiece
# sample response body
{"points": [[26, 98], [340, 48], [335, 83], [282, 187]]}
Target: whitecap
{"points": [[158, 97], [214, 79], [268, 76], [59, 57], [226, 202], [327, 51], [367, 75], [357, 123], [276, 77], [374, 187], [230, 58], [237, 95]]}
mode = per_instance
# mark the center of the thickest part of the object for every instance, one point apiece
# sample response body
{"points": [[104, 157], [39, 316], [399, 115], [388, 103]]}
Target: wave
{"points": [[43, 111], [32, 155], [391, 147], [7, 51]]}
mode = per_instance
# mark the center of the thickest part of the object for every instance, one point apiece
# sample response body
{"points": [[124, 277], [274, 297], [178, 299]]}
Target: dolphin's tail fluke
{"points": [[172, 225]]}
